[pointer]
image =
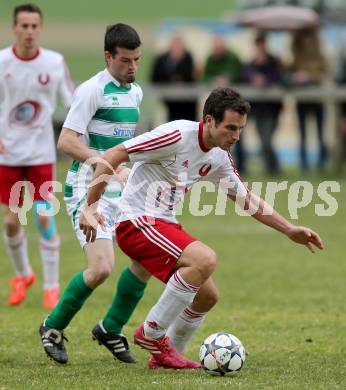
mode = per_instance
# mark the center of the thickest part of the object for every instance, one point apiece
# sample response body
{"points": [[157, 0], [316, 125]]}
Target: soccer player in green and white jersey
{"points": [[104, 113]]}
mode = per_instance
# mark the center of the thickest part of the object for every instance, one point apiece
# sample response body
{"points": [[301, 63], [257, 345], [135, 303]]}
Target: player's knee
{"points": [[207, 262], [11, 224], [100, 273], [43, 221]]}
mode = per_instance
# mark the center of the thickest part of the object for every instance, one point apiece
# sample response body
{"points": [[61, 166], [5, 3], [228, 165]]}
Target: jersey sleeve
{"points": [[83, 107], [157, 144], [140, 95], [66, 86], [228, 178]]}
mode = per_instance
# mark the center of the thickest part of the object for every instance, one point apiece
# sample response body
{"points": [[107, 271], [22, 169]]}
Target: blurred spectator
{"points": [[341, 79], [265, 70], [309, 67], [222, 68], [176, 66]]}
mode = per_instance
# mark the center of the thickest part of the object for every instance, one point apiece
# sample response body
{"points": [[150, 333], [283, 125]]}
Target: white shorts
{"points": [[108, 209]]}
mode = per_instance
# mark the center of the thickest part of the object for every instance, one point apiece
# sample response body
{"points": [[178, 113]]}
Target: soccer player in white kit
{"points": [[168, 161], [31, 79], [104, 113]]}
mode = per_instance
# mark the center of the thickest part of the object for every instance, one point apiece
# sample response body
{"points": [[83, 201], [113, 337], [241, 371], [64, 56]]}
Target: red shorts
{"points": [[37, 175], [154, 243]]}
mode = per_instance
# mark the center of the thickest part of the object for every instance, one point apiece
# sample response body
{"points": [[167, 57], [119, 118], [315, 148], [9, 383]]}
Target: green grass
{"points": [[286, 305], [108, 11]]}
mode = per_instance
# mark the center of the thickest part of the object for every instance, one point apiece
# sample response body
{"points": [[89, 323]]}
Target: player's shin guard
{"points": [[50, 251], [17, 249], [129, 292], [177, 295], [184, 327], [73, 298]]}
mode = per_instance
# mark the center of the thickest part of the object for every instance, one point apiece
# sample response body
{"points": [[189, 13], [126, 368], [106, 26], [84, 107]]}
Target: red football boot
{"points": [[164, 354], [20, 285], [51, 297]]}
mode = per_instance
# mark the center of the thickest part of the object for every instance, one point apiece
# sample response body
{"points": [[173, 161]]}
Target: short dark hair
{"points": [[261, 37], [121, 35], [222, 99], [26, 8]]}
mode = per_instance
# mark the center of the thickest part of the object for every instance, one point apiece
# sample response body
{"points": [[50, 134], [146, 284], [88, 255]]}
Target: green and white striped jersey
{"points": [[105, 114]]}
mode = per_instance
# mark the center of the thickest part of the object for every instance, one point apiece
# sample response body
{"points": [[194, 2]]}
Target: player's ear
{"points": [[108, 56], [209, 120]]}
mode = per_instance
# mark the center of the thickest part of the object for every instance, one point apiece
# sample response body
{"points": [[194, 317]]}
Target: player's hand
{"points": [[305, 236], [2, 146], [122, 175], [89, 220]]}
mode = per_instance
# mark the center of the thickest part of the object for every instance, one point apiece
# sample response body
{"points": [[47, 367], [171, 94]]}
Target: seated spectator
{"points": [[309, 67], [263, 71], [176, 66]]}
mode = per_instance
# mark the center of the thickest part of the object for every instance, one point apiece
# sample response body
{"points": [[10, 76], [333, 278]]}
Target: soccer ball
{"points": [[222, 354]]}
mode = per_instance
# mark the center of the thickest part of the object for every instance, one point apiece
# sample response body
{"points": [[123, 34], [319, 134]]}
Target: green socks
{"points": [[73, 298], [129, 292]]}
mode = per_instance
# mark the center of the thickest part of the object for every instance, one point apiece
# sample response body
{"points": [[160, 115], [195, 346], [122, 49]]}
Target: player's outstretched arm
{"points": [[264, 213], [305, 236]]}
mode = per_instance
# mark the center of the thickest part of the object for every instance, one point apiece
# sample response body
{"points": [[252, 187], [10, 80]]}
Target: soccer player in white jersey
{"points": [[168, 161], [104, 113], [31, 79]]}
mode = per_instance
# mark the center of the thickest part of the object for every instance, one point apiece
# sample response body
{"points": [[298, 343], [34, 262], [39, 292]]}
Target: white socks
{"points": [[184, 327], [175, 298], [50, 250], [17, 249]]}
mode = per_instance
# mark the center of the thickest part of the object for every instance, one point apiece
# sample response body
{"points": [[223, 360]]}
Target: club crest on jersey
{"points": [[185, 164], [204, 169], [43, 79], [25, 113]]}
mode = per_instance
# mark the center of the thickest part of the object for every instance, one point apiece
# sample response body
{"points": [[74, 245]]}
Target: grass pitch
{"points": [[286, 305], [107, 11]]}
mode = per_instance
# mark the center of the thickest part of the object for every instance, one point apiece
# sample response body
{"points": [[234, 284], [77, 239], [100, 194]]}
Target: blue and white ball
{"points": [[222, 354]]}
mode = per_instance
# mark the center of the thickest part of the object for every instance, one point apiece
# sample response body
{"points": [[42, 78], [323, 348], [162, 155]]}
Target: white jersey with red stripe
{"points": [[168, 161], [28, 92]]}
